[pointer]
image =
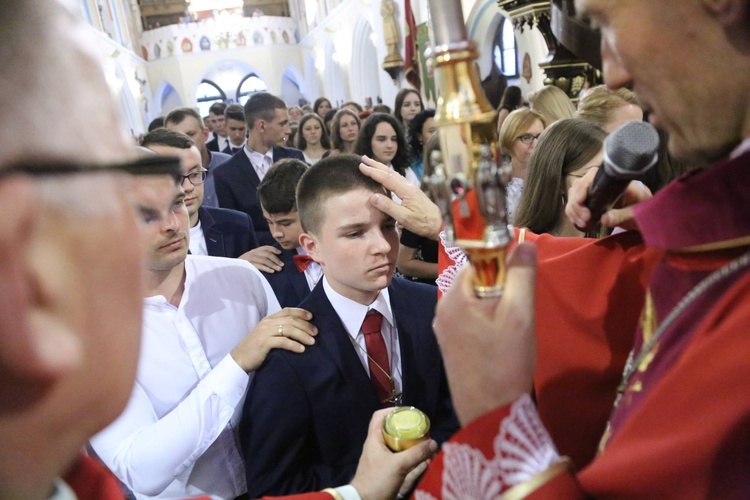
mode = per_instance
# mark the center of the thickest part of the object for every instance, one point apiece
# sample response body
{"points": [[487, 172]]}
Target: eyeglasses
{"points": [[151, 165], [528, 138], [195, 178]]}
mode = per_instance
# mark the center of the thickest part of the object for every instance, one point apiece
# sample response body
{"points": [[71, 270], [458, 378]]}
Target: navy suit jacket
{"points": [[228, 233], [213, 145], [306, 415], [237, 188], [289, 284]]}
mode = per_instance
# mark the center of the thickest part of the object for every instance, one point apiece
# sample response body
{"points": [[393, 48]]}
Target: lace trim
{"points": [[522, 450], [448, 275]]}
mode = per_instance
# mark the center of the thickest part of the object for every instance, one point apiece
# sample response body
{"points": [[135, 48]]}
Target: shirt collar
{"points": [[352, 313], [253, 154], [704, 209]]}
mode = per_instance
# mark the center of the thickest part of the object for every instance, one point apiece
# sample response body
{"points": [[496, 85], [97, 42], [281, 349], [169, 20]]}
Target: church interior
{"points": [[161, 54]]}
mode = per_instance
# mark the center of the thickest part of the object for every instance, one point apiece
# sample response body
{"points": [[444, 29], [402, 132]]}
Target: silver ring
{"points": [[281, 330]]}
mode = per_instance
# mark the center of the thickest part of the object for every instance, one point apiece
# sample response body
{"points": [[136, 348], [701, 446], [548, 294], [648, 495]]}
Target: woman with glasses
{"points": [[566, 151], [517, 140]]}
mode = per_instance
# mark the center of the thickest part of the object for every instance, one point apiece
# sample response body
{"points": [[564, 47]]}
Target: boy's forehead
{"points": [[345, 204]]}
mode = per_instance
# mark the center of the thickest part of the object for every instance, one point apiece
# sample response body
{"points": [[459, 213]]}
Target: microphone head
{"points": [[631, 150]]}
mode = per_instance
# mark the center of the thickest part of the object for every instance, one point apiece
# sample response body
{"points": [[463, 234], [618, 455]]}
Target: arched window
{"points": [[207, 94], [249, 85], [504, 50]]}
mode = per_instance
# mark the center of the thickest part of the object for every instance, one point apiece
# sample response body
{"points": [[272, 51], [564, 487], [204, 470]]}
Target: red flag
{"points": [[412, 59]]}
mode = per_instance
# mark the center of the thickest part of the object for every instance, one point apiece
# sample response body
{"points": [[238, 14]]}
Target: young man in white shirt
{"points": [[208, 324]]}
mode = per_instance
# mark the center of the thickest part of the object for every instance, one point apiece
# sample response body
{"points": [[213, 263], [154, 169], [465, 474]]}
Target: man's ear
{"points": [[205, 133], [33, 346], [310, 244]]}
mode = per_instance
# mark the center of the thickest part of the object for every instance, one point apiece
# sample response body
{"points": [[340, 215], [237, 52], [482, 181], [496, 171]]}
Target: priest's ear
{"points": [[34, 348]]}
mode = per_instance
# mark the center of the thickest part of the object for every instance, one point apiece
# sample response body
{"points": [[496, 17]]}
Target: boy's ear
{"points": [[310, 244]]}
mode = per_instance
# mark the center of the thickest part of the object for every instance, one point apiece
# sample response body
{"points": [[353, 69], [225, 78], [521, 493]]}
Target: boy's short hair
{"points": [[262, 105], [277, 191], [166, 137], [178, 115], [218, 108], [329, 177], [235, 112]]}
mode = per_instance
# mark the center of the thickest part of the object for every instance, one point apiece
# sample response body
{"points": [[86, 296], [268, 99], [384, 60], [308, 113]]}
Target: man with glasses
{"points": [[218, 232], [177, 435], [188, 121]]}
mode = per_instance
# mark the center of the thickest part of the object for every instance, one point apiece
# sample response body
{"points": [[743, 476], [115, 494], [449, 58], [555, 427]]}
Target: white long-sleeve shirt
{"points": [[177, 436]]}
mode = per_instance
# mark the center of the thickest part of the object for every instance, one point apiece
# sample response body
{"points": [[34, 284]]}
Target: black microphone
{"points": [[629, 152]]}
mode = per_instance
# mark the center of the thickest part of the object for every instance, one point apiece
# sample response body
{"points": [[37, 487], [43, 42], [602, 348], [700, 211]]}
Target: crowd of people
{"points": [[219, 310]]}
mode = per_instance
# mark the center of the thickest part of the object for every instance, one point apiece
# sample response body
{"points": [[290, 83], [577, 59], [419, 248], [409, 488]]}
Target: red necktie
{"points": [[380, 371], [302, 261]]}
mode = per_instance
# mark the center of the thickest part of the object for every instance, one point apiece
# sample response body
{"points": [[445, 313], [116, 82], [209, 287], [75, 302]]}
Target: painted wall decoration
{"points": [[205, 43], [187, 45]]}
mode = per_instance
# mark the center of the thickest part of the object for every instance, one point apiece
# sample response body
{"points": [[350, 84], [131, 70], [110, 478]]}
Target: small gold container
{"points": [[405, 427]]}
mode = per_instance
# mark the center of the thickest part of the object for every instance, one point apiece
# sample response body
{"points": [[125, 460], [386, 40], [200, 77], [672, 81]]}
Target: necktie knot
{"points": [[302, 261], [372, 322]]}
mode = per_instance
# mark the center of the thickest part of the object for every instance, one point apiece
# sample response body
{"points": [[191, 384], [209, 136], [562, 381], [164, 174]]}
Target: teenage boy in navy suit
{"points": [[278, 201], [237, 180], [306, 415]]}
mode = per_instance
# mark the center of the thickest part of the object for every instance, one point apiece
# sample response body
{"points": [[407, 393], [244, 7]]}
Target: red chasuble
{"points": [[682, 426]]}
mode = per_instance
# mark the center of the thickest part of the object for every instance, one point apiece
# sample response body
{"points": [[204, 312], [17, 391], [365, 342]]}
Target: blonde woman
{"points": [[552, 103]]}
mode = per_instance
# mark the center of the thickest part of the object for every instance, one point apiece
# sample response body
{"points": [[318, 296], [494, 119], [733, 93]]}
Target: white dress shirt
{"points": [[223, 143], [352, 314], [261, 163], [197, 241], [313, 273], [177, 436]]}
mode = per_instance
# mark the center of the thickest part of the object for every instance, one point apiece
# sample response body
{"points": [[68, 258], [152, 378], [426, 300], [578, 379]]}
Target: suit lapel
{"points": [[338, 346], [214, 238], [252, 175]]}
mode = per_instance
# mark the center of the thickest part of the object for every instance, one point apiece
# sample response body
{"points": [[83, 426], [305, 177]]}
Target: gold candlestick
{"points": [[473, 180]]}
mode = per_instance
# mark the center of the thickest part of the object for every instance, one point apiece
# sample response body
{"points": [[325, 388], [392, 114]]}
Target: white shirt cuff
{"points": [[348, 492]]}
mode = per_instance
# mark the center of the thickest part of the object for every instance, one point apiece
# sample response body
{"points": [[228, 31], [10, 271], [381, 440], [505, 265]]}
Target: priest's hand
{"points": [[488, 345], [417, 212]]}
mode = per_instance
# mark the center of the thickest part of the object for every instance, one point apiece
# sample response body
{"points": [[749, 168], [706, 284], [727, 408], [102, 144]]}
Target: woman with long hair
{"points": [[512, 100], [321, 106], [421, 128], [382, 139], [566, 151], [312, 138], [344, 131], [408, 104], [552, 103]]}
